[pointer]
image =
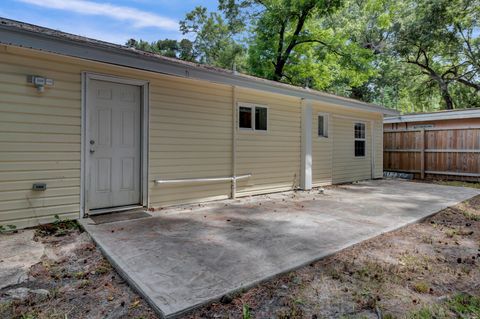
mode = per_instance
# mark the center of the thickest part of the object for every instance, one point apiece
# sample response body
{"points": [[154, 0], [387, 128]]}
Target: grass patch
{"points": [[421, 287], [460, 306], [465, 305], [7, 228]]}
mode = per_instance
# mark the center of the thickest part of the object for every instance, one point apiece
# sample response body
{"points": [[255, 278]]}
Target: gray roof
{"points": [[435, 116], [36, 37]]}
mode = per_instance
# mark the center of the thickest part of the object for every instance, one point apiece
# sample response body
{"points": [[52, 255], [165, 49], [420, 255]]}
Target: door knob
{"points": [[92, 142], [92, 151]]}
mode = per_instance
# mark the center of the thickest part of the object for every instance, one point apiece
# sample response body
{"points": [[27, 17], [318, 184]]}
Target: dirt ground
{"points": [[426, 270]]}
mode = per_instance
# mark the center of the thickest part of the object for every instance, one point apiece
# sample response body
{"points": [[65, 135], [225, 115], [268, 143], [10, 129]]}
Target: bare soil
{"points": [[415, 272]]}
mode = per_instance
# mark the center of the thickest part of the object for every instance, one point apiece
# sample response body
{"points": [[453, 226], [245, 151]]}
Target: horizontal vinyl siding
{"points": [[272, 157], [322, 147], [190, 136], [347, 167], [39, 142], [378, 139]]}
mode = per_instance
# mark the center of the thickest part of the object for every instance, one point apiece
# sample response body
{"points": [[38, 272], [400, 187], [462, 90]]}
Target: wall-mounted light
{"points": [[40, 82]]}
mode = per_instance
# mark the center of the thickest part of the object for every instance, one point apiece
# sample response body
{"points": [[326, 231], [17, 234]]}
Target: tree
{"points": [[170, 48], [214, 42], [433, 38]]}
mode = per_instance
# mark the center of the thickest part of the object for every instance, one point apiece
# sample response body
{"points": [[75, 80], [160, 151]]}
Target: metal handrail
{"points": [[200, 180]]}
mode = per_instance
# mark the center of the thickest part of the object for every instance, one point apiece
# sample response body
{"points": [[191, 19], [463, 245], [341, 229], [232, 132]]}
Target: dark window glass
{"points": [[245, 117], [359, 148], [322, 128], [359, 130], [260, 118]]}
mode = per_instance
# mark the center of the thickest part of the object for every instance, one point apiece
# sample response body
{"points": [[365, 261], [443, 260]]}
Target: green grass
{"points": [[465, 305], [460, 306]]}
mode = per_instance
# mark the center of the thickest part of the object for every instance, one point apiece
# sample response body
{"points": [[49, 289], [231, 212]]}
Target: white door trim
{"points": [[84, 162]]}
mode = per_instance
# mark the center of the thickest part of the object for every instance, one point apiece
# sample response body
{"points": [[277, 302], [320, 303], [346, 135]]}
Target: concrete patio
{"points": [[185, 257]]}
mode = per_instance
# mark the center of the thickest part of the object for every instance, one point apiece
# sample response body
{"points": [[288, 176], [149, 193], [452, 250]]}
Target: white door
{"points": [[113, 144]]}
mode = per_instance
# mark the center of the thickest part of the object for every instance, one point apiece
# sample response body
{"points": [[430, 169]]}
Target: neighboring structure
{"points": [[88, 127], [443, 144], [465, 118]]}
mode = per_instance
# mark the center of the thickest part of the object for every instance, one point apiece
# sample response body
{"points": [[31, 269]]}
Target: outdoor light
{"points": [[39, 82]]}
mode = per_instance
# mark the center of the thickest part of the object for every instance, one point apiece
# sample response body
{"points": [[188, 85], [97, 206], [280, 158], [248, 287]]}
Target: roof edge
{"points": [[440, 116], [117, 55]]}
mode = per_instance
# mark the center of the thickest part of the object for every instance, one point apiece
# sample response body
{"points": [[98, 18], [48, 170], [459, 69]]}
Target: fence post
{"points": [[422, 154]]}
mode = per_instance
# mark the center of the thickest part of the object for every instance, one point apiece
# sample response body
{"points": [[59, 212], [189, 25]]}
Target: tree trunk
{"points": [[446, 96]]}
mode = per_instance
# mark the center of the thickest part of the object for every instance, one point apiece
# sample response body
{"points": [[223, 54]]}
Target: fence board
{"points": [[452, 153]]}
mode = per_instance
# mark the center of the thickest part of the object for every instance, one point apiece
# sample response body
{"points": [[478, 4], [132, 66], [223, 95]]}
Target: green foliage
{"points": [[465, 305], [170, 48], [246, 312], [7, 228], [409, 55], [214, 43], [59, 227]]}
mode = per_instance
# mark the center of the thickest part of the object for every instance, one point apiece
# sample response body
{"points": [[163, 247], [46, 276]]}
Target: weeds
{"points": [[7, 228], [421, 287], [246, 311], [465, 305], [58, 228]]}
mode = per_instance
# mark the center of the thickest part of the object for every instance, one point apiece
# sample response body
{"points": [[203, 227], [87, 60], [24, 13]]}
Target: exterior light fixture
{"points": [[40, 82]]}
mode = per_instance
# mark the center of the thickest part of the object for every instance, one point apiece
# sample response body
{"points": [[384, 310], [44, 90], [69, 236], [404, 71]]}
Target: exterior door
{"points": [[113, 144]]}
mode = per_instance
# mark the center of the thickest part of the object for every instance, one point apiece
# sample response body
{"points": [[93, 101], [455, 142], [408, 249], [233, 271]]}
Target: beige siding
{"points": [[272, 157], [190, 137], [333, 159], [347, 167], [378, 147]]}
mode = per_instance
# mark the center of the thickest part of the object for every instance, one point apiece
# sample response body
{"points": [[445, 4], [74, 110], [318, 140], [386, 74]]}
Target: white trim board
{"points": [[144, 85]]}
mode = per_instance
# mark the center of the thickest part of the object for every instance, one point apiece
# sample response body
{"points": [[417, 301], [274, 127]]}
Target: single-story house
{"points": [[450, 119], [89, 127]]}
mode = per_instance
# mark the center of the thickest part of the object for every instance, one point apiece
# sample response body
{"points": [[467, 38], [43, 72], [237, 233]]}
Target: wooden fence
{"points": [[434, 153]]}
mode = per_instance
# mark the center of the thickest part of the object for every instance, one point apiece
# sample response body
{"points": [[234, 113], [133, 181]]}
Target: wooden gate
{"points": [[436, 153]]}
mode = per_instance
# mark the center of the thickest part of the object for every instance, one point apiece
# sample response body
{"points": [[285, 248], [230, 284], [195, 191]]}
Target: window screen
{"points": [[245, 117], [360, 139], [261, 118]]}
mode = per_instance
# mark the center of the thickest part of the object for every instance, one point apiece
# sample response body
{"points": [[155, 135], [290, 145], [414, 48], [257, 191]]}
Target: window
{"points": [[245, 117], [359, 139], [323, 125], [246, 120]]}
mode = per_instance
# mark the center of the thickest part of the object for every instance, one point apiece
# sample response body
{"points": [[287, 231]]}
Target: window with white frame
{"points": [[359, 139], [252, 117], [323, 125]]}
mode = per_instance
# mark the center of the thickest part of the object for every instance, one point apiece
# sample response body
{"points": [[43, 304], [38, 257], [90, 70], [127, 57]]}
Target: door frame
{"points": [[144, 136]]}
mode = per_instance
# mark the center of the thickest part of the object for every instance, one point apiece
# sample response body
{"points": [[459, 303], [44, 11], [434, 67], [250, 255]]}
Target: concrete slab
{"points": [[183, 258], [18, 252]]}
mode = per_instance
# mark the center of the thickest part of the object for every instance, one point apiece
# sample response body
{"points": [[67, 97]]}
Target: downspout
{"points": [[234, 142]]}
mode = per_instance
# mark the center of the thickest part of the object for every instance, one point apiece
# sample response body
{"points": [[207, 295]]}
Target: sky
{"points": [[113, 21]]}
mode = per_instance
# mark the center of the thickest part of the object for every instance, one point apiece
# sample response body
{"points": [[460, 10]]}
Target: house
{"points": [[89, 127], [436, 145], [464, 118]]}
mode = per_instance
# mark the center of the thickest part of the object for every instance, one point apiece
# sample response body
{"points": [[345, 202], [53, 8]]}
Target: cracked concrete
{"points": [[18, 252], [183, 258]]}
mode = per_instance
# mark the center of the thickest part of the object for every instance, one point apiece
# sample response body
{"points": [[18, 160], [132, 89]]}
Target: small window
{"points": [[260, 118], [360, 139], [245, 117], [323, 126], [253, 118]]}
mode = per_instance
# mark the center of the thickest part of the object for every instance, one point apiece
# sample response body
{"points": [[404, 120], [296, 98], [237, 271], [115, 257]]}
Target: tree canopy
{"points": [[405, 54]]}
